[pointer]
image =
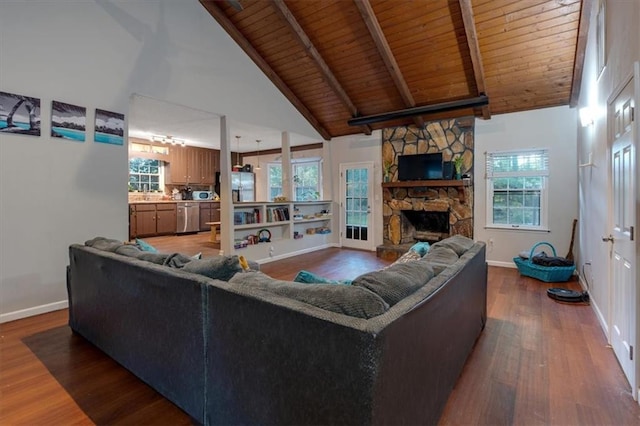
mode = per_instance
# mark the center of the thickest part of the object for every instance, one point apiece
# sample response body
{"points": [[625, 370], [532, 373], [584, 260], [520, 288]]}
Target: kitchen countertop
{"points": [[170, 201]]}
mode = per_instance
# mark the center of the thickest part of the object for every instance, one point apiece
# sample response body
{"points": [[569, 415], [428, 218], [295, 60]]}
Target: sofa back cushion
{"points": [[343, 299], [397, 281], [218, 267], [105, 244], [458, 243], [439, 258]]}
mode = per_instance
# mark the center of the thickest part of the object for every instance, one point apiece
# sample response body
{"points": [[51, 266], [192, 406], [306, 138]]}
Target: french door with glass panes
{"points": [[356, 185]]}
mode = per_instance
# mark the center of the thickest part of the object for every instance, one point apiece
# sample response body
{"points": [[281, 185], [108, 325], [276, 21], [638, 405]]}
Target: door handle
{"points": [[608, 239]]}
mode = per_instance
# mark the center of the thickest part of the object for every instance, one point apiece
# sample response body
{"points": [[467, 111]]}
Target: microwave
{"points": [[202, 195]]}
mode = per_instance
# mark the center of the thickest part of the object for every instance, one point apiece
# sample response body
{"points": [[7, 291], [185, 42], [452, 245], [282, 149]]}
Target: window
{"points": [[517, 189], [145, 174], [307, 181]]}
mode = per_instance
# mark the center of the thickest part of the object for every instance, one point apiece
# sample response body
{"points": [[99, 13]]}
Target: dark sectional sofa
{"points": [[252, 350]]}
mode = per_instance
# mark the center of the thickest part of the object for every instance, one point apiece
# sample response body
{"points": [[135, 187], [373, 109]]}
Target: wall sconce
{"points": [[587, 115]]}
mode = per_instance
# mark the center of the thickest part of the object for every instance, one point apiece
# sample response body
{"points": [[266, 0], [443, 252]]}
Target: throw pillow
{"points": [[145, 246], [458, 243], [219, 267], [397, 281], [307, 277], [343, 299], [421, 248], [408, 256]]}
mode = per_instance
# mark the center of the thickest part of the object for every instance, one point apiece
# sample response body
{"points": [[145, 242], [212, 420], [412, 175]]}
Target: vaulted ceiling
{"points": [[391, 62]]}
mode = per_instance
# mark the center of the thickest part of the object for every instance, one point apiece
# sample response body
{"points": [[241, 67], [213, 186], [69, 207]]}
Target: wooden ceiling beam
{"points": [[581, 47], [216, 12], [304, 40], [369, 18], [474, 50]]}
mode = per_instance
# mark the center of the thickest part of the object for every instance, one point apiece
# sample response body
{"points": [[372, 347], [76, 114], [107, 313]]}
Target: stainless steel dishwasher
{"points": [[188, 217]]}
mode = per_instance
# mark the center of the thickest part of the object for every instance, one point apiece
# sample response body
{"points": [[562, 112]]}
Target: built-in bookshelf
{"points": [[264, 230]]}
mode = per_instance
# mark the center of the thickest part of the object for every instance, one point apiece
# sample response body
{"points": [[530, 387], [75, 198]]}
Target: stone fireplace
{"points": [[428, 210], [427, 226]]}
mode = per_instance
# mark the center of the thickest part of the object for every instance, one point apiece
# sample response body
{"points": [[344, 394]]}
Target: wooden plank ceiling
{"points": [[340, 59]]}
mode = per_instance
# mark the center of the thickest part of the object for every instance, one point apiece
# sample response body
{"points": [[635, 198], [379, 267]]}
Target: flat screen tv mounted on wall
{"points": [[420, 166]]}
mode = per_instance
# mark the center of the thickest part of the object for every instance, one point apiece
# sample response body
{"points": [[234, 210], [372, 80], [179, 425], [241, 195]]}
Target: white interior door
{"points": [[623, 268], [356, 191]]}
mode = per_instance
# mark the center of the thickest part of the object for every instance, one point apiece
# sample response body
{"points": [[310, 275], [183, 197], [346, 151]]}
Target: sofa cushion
{"points": [[440, 258], [218, 267], [105, 244], [343, 299], [457, 243], [307, 277], [397, 281]]}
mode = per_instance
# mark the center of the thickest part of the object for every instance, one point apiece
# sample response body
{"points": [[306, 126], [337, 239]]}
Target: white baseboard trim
{"points": [[296, 253], [501, 264], [36, 310], [594, 305]]}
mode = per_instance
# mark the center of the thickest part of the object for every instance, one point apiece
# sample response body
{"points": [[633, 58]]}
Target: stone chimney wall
{"points": [[452, 137]]}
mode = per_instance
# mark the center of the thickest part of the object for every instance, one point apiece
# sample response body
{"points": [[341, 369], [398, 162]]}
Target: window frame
{"points": [[490, 177], [294, 164], [160, 174]]}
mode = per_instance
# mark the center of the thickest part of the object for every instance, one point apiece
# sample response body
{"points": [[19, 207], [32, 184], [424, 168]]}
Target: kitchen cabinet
{"points": [[166, 218], [209, 212], [177, 172], [150, 219], [192, 165], [204, 166]]}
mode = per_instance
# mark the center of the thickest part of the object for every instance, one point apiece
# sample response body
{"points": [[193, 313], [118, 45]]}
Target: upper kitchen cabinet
{"points": [[205, 164], [192, 165]]}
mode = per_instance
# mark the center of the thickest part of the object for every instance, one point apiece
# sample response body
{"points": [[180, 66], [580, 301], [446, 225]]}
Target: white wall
{"points": [[622, 50], [553, 128], [96, 54]]}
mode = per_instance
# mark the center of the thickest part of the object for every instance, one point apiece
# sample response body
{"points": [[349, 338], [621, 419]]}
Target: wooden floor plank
{"points": [[538, 362]]}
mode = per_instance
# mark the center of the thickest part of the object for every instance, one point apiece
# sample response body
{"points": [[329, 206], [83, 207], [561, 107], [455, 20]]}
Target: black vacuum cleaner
{"points": [[569, 296]]}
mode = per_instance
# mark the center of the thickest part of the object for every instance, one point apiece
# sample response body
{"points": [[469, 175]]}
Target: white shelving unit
{"points": [[289, 225]]}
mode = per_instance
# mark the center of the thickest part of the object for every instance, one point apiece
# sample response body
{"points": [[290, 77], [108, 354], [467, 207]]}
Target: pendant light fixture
{"points": [[258, 149], [238, 165]]}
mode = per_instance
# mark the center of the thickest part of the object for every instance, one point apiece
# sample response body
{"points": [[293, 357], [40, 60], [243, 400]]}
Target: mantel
{"points": [[439, 183]]}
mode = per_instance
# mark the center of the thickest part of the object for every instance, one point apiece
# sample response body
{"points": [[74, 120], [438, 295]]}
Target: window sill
{"points": [[517, 228]]}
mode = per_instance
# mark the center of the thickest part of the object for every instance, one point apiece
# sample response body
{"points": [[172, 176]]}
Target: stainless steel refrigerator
{"points": [[243, 186]]}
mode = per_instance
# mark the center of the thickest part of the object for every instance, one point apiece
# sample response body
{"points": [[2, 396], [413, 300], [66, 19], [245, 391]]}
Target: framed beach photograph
{"points": [[19, 114], [109, 127], [68, 121]]}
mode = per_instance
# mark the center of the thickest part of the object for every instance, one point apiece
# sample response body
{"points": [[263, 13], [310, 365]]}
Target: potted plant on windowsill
{"points": [[388, 167], [457, 165]]}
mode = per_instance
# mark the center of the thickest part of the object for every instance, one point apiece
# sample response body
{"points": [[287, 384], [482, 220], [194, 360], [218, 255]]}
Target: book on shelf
{"points": [[277, 214], [246, 217]]}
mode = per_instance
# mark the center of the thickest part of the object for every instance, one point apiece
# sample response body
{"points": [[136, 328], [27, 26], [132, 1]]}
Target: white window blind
{"points": [[517, 189], [521, 163]]}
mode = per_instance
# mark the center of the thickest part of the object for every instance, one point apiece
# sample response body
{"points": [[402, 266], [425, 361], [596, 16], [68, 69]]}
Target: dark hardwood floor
{"points": [[537, 361]]}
